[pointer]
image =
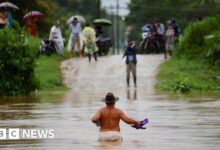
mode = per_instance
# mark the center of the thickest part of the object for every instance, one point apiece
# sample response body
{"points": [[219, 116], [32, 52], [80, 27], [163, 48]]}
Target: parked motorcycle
{"points": [[104, 44], [152, 41]]}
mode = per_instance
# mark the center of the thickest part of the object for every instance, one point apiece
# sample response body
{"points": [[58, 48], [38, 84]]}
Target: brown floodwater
{"points": [[177, 123]]}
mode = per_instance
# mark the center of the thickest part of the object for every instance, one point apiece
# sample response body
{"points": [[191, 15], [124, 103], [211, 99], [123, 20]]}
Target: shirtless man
{"points": [[108, 119]]}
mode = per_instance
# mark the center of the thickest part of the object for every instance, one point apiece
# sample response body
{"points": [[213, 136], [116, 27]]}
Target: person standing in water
{"points": [[131, 61], [108, 118]]}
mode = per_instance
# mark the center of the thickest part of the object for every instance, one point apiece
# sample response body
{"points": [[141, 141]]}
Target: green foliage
{"points": [[16, 64], [201, 41], [186, 84], [185, 11], [49, 74], [182, 75], [33, 45], [212, 42]]}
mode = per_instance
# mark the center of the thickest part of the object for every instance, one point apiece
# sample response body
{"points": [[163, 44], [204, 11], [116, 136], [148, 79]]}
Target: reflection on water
{"points": [[173, 124], [132, 96], [178, 123]]}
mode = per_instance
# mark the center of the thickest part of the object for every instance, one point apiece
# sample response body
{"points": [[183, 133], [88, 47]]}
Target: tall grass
{"points": [[49, 73]]}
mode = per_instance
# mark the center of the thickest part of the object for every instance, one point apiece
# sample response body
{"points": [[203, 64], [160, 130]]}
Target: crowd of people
{"points": [[164, 37], [79, 39]]}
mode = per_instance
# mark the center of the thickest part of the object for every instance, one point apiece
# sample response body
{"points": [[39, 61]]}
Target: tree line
{"points": [[184, 11]]}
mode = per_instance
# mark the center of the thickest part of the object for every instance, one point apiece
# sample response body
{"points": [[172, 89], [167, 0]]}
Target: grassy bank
{"points": [[195, 64], [184, 75], [49, 74]]}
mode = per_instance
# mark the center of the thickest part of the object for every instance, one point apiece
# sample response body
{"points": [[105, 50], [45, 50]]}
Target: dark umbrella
{"points": [[8, 5], [104, 22], [35, 15]]}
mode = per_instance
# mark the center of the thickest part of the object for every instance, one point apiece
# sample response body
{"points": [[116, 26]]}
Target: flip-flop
{"points": [[142, 123]]}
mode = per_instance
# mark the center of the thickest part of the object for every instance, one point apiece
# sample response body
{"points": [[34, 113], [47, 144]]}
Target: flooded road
{"points": [[177, 123]]}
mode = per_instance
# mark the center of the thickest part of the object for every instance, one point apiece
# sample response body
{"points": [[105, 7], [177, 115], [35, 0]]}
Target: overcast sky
{"points": [[122, 3]]}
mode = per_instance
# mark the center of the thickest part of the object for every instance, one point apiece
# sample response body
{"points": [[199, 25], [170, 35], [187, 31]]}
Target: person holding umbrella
{"points": [[75, 29], [8, 7], [3, 20], [31, 27], [30, 19]]}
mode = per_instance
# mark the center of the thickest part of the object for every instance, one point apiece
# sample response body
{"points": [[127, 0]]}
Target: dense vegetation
{"points": [[17, 63], [201, 41], [185, 11], [195, 64]]}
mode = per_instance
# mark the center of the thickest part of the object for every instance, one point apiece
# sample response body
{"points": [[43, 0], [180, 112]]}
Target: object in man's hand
{"points": [[98, 123], [142, 123]]}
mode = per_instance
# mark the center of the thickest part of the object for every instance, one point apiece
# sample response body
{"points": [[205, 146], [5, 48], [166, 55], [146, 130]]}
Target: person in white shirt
{"points": [[56, 37]]}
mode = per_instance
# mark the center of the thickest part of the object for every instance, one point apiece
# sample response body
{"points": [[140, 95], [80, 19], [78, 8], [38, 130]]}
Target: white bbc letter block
{"points": [[13, 134], [3, 134]]}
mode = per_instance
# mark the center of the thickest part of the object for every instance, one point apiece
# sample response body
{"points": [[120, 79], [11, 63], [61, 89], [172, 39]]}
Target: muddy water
{"points": [[180, 123]]}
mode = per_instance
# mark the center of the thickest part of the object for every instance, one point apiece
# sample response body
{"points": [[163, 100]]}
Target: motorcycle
{"points": [[104, 44], [152, 42]]}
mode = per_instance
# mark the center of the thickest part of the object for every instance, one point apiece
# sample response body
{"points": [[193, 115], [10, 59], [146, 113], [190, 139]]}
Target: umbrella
{"points": [[36, 15], [104, 22], [8, 5], [79, 18]]}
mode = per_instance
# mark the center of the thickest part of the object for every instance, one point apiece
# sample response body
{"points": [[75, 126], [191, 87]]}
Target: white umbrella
{"points": [[8, 5], [79, 18]]}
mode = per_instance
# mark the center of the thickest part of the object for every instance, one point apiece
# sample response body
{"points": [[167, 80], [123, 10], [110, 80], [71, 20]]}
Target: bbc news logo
{"points": [[16, 134]]}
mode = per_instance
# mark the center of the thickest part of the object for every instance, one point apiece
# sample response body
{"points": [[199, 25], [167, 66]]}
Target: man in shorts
{"points": [[108, 118]]}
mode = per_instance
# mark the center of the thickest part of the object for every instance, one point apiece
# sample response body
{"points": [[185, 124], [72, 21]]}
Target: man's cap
{"points": [[110, 98]]}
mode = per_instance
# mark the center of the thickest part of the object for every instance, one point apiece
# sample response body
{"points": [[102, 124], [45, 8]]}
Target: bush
{"points": [[193, 44], [212, 42], [17, 64]]}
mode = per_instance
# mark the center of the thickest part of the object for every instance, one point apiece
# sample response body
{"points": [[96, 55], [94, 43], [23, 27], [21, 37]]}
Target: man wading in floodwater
{"points": [[108, 119]]}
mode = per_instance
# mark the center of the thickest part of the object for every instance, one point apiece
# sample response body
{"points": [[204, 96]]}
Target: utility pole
{"points": [[118, 27], [113, 30], [98, 8], [115, 18]]}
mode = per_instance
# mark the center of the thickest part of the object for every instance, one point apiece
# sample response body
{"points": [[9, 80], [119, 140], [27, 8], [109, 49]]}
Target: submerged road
{"points": [[177, 123]]}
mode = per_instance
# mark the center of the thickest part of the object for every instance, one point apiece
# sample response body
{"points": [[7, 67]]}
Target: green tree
{"points": [[185, 11]]}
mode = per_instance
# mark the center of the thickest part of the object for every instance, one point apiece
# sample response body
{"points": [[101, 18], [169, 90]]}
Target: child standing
{"points": [[169, 40]]}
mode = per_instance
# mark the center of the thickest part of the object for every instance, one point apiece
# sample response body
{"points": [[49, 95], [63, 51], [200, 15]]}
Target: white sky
{"points": [[122, 3]]}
